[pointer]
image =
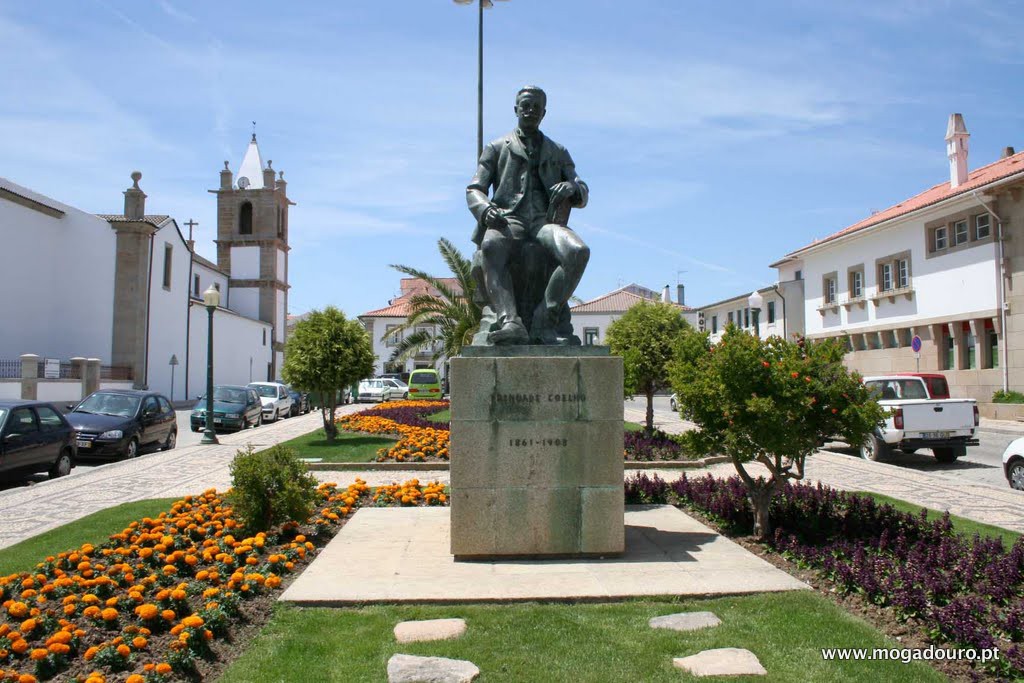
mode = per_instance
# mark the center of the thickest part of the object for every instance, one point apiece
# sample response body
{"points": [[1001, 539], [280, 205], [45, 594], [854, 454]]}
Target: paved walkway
{"points": [[31, 510]]}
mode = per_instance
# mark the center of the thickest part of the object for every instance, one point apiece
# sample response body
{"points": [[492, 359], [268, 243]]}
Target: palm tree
{"points": [[445, 321]]}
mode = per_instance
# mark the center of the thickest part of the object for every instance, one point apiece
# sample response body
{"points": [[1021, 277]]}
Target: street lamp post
{"points": [[484, 4], [211, 297], [755, 301]]}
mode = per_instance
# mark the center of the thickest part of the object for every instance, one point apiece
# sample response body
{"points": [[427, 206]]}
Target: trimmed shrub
{"points": [[1007, 397], [271, 487]]}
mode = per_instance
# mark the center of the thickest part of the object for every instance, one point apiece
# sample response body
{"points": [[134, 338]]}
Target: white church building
{"points": [[127, 288]]}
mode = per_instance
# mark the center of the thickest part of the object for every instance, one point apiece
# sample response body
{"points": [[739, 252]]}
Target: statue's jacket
{"points": [[504, 165]]}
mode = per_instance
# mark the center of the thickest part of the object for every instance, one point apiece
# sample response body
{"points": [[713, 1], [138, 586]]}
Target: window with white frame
{"points": [[829, 289], [886, 279], [902, 273], [393, 336], [941, 240], [982, 226], [856, 283], [960, 235], [590, 336]]}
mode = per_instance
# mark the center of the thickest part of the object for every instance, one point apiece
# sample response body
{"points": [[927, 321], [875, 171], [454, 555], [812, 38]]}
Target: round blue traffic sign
{"points": [[915, 344]]}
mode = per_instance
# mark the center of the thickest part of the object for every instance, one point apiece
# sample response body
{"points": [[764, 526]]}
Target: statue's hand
{"points": [[494, 220], [563, 190]]}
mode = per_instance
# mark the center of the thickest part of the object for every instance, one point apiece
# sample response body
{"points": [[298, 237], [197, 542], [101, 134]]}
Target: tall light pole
{"points": [[755, 301], [211, 297], [484, 4]]}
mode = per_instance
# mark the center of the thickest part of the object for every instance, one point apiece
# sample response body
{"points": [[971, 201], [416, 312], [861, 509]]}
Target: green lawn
{"points": [[960, 524], [347, 447], [595, 643], [444, 416], [633, 427], [95, 528]]}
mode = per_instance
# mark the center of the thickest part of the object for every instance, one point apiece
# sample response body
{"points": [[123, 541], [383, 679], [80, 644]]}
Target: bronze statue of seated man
{"points": [[529, 261]]}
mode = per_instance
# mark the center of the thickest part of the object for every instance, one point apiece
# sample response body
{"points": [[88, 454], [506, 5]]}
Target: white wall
{"points": [[59, 274], [281, 321], [59, 392], [738, 305], [246, 301], [118, 384], [601, 321], [945, 286], [10, 389], [281, 271], [168, 313], [236, 340], [245, 263], [207, 277]]}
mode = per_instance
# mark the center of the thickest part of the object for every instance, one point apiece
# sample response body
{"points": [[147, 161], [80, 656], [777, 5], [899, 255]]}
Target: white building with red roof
{"points": [[382, 325], [945, 265], [590, 319]]}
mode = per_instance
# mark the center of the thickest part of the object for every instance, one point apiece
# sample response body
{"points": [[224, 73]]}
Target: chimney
{"points": [[135, 199], [681, 295], [225, 178], [665, 297], [268, 175], [1007, 152], [956, 149]]}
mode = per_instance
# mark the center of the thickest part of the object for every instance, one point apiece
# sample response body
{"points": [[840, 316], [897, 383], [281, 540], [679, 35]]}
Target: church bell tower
{"points": [[252, 244]]}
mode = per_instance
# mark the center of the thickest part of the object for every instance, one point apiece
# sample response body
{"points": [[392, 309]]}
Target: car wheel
{"points": [[947, 454], [132, 449], [1016, 475], [874, 449], [672, 404], [62, 467], [172, 440]]}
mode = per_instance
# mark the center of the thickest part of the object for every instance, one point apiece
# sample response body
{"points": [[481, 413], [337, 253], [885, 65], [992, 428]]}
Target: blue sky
{"points": [[715, 137]]}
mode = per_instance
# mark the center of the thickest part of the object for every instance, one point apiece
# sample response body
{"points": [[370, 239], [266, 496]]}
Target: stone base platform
{"points": [[401, 555]]}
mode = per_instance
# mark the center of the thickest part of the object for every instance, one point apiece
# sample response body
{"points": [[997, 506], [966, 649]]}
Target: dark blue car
{"points": [[123, 422], [35, 437]]}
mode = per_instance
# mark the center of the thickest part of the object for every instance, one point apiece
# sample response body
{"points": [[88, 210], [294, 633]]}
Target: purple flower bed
{"points": [[414, 416], [656, 446], [963, 590]]}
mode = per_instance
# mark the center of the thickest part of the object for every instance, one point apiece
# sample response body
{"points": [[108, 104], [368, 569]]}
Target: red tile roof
{"points": [[618, 301], [999, 170], [400, 307]]}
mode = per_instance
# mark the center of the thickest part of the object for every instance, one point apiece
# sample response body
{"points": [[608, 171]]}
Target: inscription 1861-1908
{"points": [[526, 443], [539, 398]]}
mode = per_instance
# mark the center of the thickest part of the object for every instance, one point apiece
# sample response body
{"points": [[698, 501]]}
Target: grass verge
{"points": [[94, 528], [346, 447], [961, 525], [597, 643], [444, 416]]}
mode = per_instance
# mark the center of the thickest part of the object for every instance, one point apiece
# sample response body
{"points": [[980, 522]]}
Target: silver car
{"points": [[378, 390], [1013, 464]]}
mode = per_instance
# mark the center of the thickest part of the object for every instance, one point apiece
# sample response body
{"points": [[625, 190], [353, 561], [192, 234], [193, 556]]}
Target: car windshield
{"points": [[423, 378], [118, 405], [266, 390], [229, 395], [398, 383], [892, 389]]}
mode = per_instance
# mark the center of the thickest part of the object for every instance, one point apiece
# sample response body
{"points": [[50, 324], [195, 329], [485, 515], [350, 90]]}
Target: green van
{"points": [[425, 384]]}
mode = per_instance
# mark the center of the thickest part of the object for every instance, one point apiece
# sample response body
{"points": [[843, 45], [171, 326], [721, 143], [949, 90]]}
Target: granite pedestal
{"points": [[536, 452]]}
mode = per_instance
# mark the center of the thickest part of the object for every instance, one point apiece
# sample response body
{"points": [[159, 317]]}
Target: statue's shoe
{"points": [[510, 333]]}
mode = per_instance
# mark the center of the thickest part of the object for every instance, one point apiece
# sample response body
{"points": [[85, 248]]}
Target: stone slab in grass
{"points": [[410, 669], [685, 621], [723, 661], [405, 557], [429, 629]]}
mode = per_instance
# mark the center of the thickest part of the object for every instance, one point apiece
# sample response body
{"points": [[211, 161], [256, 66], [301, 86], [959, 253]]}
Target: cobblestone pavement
{"points": [[999, 506], [31, 510]]}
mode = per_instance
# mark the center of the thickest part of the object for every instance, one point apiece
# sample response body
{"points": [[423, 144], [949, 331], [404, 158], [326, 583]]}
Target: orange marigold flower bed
{"points": [[166, 591], [415, 443]]}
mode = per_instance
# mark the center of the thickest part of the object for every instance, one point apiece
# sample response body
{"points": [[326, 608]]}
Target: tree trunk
{"points": [[330, 429], [650, 410], [760, 499]]}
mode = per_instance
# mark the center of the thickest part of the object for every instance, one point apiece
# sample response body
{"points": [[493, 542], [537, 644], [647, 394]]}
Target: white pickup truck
{"points": [[946, 426]]}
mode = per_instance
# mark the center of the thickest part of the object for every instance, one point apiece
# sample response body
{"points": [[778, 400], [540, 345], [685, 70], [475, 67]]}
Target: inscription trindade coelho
{"points": [[539, 398]]}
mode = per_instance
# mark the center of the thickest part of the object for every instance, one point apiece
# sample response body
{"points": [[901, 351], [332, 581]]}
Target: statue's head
{"points": [[531, 105]]}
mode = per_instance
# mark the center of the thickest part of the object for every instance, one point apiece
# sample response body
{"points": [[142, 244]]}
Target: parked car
{"points": [[300, 401], [371, 390], [946, 426], [277, 402], [234, 407], [35, 437], [399, 389], [123, 422], [1013, 464], [425, 383]]}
